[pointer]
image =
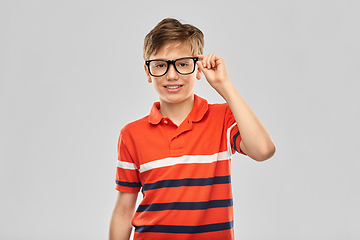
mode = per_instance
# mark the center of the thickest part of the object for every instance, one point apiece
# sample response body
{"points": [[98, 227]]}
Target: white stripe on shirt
{"points": [[126, 165], [229, 140], [186, 159]]}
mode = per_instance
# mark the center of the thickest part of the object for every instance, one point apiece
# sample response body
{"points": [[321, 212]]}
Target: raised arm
{"points": [[256, 141], [120, 224]]}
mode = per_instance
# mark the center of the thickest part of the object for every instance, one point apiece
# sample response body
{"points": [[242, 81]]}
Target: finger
{"points": [[201, 58], [200, 65], [213, 60], [203, 69], [207, 61]]}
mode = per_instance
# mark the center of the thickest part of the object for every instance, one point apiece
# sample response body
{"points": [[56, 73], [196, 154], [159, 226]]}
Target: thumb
{"points": [[199, 64]]}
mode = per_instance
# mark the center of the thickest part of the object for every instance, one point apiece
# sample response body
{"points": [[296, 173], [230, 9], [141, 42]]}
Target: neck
{"points": [[177, 112]]}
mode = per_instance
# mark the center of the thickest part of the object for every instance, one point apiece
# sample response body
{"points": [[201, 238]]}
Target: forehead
{"points": [[173, 50]]}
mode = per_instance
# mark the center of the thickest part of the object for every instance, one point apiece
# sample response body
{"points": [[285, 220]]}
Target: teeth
{"points": [[173, 87]]}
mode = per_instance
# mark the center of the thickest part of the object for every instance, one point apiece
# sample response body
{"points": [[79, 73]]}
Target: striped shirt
{"points": [[183, 172]]}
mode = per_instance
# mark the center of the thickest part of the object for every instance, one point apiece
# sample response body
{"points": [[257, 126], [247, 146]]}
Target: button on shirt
{"points": [[183, 172]]}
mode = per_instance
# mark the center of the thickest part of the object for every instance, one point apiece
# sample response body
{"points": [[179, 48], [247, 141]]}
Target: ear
{"points": [[147, 74], [198, 73]]}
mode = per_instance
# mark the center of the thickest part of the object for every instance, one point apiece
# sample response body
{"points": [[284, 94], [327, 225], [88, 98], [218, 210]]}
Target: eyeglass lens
{"points": [[183, 66]]}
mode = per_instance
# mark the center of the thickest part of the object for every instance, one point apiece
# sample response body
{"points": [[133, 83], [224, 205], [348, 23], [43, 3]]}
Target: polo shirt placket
{"points": [[176, 135]]}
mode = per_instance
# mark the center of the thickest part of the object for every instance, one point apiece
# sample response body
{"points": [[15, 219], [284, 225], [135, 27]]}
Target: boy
{"points": [[179, 155]]}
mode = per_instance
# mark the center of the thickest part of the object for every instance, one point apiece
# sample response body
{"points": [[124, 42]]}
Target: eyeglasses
{"points": [[159, 67]]}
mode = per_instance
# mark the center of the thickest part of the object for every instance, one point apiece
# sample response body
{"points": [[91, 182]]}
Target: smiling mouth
{"points": [[173, 87]]}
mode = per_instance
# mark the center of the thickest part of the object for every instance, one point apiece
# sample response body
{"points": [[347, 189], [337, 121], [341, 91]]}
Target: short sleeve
{"points": [[127, 174], [233, 133]]}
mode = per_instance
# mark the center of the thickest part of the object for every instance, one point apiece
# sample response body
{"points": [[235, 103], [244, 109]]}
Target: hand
{"points": [[214, 69]]}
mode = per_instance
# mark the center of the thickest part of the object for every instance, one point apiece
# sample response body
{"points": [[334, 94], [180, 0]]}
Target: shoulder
{"points": [[139, 123], [218, 107], [131, 132], [221, 112], [134, 127]]}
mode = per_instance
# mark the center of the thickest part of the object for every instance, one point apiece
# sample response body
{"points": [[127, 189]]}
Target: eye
{"points": [[183, 64], [159, 64]]}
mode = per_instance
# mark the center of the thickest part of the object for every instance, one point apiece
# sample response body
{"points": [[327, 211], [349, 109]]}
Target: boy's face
{"points": [[174, 87]]}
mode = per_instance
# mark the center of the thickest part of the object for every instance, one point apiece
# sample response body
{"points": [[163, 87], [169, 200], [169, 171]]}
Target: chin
{"points": [[174, 99]]}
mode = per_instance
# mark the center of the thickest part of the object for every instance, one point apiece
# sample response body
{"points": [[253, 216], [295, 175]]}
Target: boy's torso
{"points": [[184, 173]]}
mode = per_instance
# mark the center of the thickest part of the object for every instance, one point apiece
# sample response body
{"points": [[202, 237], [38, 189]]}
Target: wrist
{"points": [[224, 87]]}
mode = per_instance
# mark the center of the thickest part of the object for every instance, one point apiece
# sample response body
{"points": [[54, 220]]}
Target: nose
{"points": [[172, 74]]}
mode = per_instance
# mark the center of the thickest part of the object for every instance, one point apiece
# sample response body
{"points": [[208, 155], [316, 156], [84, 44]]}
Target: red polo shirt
{"points": [[183, 172]]}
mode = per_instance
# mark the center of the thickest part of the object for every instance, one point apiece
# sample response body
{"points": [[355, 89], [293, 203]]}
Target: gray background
{"points": [[72, 76]]}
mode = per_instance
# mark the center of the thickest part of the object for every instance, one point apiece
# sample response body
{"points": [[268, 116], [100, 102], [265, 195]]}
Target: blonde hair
{"points": [[171, 30]]}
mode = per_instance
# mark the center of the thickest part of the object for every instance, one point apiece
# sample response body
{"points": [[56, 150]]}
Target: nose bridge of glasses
{"points": [[171, 71], [169, 63]]}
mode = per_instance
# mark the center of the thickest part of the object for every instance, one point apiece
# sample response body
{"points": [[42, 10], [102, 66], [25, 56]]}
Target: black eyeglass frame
{"points": [[169, 62]]}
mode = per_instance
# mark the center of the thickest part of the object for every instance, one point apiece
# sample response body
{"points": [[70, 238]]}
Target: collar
{"points": [[197, 113]]}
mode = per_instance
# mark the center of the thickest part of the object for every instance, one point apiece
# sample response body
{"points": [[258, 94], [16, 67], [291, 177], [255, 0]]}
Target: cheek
{"points": [[157, 83], [192, 79]]}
